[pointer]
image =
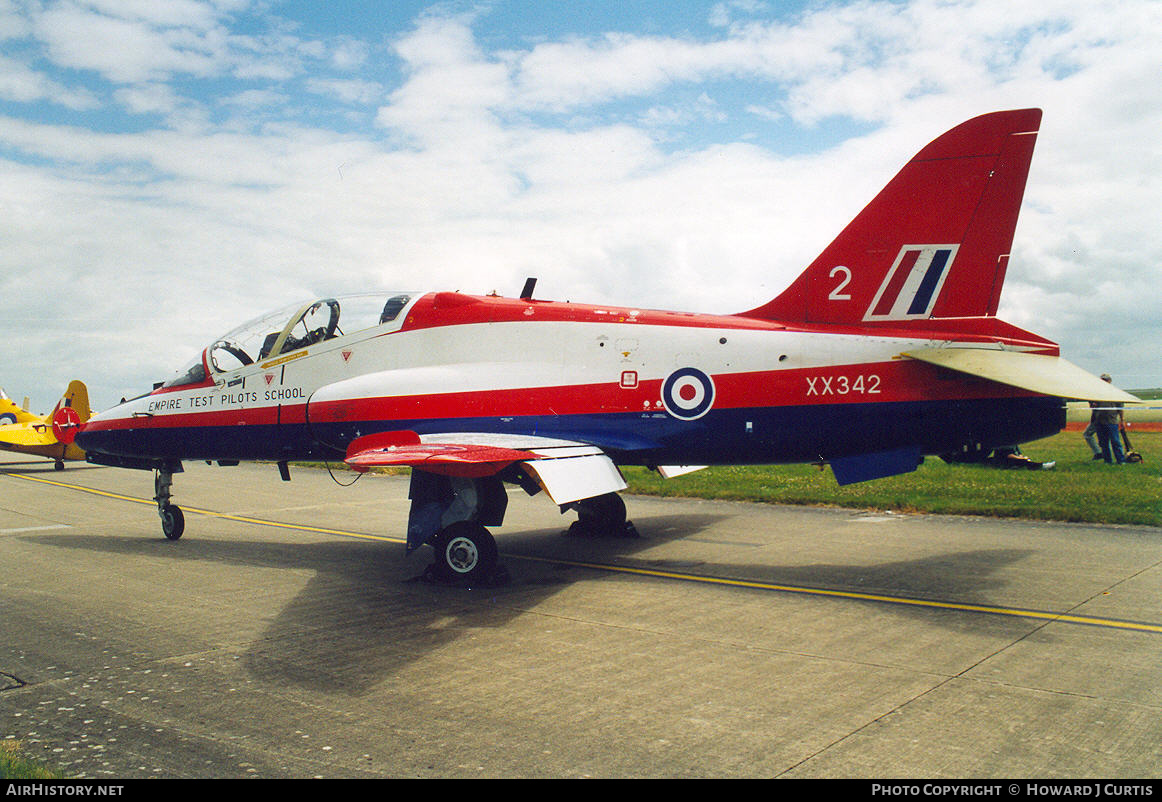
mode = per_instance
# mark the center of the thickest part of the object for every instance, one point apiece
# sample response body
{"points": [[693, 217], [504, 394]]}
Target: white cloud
{"points": [[13, 23], [723, 14], [253, 99], [125, 50], [353, 90], [20, 83], [171, 13], [447, 102], [349, 54], [148, 99]]}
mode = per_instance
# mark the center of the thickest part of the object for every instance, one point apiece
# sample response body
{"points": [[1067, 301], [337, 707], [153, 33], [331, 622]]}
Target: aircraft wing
{"points": [[25, 435], [567, 470], [1048, 375]]}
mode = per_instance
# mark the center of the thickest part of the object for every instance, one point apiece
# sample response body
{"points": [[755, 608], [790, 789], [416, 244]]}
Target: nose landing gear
{"points": [[173, 520]]}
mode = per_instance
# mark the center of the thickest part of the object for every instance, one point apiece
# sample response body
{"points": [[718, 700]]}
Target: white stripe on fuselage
{"points": [[510, 356]]}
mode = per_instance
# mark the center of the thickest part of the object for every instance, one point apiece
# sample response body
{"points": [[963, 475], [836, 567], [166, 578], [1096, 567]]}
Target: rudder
{"points": [[75, 396]]}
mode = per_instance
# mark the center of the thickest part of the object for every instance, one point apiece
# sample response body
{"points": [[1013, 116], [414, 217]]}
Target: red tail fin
{"points": [[934, 243]]}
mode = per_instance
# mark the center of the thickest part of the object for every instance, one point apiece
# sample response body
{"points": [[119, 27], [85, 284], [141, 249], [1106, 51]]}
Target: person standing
{"points": [[1090, 433], [1109, 417]]}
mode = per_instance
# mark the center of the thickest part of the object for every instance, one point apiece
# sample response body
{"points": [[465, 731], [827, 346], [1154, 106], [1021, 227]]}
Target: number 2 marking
{"points": [[837, 294]]}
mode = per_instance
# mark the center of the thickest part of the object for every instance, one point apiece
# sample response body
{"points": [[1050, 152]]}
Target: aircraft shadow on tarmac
{"points": [[367, 612]]}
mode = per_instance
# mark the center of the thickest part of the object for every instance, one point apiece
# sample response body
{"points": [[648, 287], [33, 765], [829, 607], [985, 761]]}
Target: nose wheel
{"points": [[173, 520]]}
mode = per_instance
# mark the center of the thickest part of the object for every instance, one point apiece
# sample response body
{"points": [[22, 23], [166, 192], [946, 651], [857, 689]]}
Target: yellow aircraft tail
{"points": [[77, 397]]}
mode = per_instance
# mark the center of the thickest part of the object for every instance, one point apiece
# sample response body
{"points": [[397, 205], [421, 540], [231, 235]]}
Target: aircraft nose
{"points": [[95, 432]]}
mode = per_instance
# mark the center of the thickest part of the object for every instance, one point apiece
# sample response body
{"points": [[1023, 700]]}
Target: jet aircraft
{"points": [[885, 349], [49, 435]]}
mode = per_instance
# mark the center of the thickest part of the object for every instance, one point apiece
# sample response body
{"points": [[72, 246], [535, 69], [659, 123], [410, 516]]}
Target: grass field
{"points": [[1077, 489], [15, 766]]}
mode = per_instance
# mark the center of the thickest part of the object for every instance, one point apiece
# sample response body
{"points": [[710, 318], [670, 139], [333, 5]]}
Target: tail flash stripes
{"points": [[911, 287]]}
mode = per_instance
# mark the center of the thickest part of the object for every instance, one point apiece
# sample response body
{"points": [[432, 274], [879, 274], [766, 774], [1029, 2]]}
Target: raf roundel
{"points": [[688, 393]]}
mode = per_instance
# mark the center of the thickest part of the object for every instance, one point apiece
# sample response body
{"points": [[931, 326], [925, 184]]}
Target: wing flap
{"points": [[451, 460], [569, 479], [405, 448], [1038, 373], [567, 470]]}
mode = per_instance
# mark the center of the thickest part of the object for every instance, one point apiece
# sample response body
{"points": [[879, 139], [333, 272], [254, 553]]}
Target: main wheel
{"points": [[173, 521], [606, 512], [465, 550], [601, 516]]}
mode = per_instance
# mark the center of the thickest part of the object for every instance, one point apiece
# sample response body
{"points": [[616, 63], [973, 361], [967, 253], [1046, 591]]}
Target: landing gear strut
{"points": [[173, 520]]}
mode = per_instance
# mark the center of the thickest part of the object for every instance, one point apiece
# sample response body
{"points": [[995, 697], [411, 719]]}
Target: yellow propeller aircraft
{"points": [[46, 435]]}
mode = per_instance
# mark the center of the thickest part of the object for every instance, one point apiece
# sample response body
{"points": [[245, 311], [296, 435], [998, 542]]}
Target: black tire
{"points": [[465, 551], [606, 512], [173, 521], [601, 516]]}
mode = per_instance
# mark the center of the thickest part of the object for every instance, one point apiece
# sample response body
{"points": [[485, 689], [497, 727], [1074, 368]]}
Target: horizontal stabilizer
{"points": [[1038, 373]]}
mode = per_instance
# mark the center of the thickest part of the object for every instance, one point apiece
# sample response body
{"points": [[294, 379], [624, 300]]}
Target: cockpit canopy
{"points": [[291, 328]]}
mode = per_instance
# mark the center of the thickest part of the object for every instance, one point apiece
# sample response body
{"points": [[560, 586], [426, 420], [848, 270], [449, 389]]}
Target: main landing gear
{"points": [[173, 520], [601, 516], [451, 514], [466, 552]]}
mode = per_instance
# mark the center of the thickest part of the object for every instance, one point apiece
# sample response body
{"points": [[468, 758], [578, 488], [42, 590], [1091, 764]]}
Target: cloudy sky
{"points": [[171, 168]]}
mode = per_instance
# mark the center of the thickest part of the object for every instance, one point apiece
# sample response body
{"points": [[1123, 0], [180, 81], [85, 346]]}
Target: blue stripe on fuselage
{"points": [[764, 435]]}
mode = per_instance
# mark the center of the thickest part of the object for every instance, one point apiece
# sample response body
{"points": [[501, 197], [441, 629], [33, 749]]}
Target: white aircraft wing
{"points": [[568, 471]]}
